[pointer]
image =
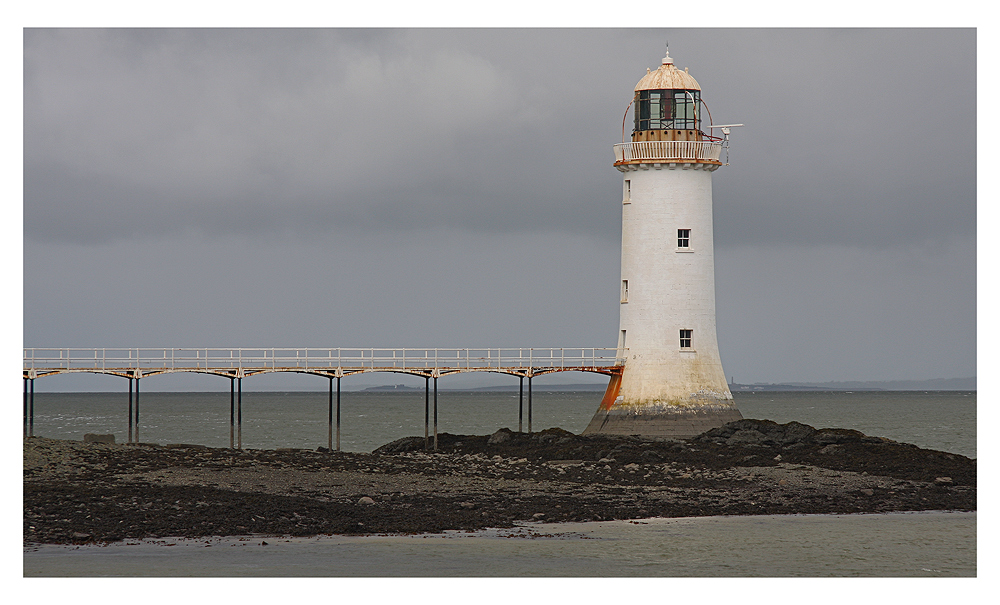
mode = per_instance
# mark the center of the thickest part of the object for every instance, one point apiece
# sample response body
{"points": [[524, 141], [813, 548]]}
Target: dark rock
{"points": [[400, 446], [652, 456], [502, 436], [747, 437], [825, 436]]}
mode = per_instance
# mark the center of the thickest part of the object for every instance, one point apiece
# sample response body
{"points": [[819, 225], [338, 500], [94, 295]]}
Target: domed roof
{"points": [[667, 77]]}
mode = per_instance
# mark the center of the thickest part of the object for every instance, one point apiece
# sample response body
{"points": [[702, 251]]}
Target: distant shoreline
{"points": [[937, 384]]}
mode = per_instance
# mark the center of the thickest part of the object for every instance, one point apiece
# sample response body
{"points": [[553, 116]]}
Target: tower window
{"points": [[627, 193], [686, 339], [683, 238], [624, 290]]}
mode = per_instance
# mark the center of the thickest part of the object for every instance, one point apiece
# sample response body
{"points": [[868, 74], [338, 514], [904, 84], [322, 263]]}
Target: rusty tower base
{"points": [[660, 419]]}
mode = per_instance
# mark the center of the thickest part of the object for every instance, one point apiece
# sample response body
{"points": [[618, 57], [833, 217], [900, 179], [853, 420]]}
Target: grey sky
{"points": [[455, 188]]}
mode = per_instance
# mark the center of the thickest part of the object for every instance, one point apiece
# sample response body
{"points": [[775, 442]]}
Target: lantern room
{"points": [[667, 105]]}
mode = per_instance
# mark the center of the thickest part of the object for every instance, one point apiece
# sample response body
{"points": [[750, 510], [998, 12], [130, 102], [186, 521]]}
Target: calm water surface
{"points": [[944, 420], [894, 545]]}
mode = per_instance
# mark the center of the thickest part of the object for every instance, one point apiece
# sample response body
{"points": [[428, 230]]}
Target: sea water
{"points": [[892, 545], [943, 420], [909, 544]]}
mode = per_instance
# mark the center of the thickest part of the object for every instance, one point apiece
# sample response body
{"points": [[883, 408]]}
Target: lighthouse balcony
{"points": [[680, 152]]}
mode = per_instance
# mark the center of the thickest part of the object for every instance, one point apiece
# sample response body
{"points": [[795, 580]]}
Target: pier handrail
{"points": [[304, 359]]}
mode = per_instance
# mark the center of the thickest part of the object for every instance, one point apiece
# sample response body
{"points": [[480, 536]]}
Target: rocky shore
{"points": [[77, 492]]}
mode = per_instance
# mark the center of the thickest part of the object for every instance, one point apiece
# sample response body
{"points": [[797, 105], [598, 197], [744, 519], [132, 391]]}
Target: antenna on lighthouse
{"points": [[725, 133]]}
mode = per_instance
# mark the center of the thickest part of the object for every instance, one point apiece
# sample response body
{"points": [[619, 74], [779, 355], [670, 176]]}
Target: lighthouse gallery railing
{"points": [[668, 150]]}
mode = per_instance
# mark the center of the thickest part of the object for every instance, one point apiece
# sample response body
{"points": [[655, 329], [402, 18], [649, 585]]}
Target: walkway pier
{"points": [[334, 364]]}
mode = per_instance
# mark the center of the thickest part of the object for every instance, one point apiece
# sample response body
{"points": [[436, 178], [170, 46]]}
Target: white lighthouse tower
{"points": [[673, 384]]}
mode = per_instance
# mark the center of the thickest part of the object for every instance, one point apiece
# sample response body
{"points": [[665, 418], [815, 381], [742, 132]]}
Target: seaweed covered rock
{"points": [[502, 436], [399, 446], [758, 432]]}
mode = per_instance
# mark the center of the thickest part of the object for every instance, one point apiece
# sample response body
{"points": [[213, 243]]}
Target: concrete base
{"points": [[665, 421]]}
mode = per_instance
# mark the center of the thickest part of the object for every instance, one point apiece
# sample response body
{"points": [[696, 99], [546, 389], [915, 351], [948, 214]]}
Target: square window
{"points": [[683, 238], [686, 339]]}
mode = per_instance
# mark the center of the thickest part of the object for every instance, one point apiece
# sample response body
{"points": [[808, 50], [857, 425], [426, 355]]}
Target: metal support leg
{"points": [[31, 409], [329, 417], [26, 409], [130, 410], [520, 406], [427, 410], [435, 413], [232, 412], [529, 404], [239, 413], [137, 411], [338, 413]]}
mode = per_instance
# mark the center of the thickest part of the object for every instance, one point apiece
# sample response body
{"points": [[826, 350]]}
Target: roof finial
{"points": [[666, 58]]}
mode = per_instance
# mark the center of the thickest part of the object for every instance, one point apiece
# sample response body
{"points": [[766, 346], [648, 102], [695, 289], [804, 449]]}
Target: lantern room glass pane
{"points": [[668, 110]]}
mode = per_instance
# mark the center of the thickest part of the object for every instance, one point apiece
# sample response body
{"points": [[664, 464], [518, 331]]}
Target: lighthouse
{"points": [[672, 383]]}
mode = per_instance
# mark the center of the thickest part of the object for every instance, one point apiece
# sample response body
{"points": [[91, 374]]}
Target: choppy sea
{"points": [[890, 545]]}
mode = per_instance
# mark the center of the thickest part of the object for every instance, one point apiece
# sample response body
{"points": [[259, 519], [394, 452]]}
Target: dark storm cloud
{"points": [[863, 137], [150, 132]]}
